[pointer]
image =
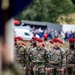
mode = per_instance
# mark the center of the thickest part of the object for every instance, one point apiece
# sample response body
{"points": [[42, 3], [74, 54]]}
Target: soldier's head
{"points": [[51, 43], [60, 43], [39, 42], [71, 43], [56, 42], [34, 44], [18, 40], [33, 41]]}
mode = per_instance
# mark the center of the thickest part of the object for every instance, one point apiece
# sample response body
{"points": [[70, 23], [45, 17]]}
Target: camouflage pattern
{"points": [[57, 56], [57, 59], [34, 60], [37, 56], [70, 61], [21, 55]]}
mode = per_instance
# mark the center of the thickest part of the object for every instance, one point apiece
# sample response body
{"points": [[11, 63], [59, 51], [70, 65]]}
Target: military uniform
{"points": [[32, 53], [57, 58], [43, 59], [70, 58], [70, 61], [38, 57]]}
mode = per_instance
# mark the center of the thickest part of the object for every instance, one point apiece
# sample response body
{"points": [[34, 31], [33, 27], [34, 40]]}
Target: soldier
{"points": [[18, 45], [57, 58], [70, 58], [42, 57], [32, 52], [51, 43], [48, 57], [21, 56], [60, 43]]}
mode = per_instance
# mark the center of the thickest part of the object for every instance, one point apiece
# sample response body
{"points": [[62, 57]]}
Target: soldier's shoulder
{"points": [[62, 50], [67, 49]]}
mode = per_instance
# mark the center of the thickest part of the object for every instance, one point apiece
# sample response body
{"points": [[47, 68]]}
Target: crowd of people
{"points": [[39, 60], [49, 33]]}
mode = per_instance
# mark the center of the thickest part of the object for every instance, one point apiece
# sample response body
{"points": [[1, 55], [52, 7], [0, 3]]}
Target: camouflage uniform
{"points": [[32, 52], [57, 59], [70, 61], [43, 59], [37, 56], [21, 57]]}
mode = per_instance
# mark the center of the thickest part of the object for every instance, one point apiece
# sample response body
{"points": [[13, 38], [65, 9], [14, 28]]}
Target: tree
{"points": [[47, 10]]}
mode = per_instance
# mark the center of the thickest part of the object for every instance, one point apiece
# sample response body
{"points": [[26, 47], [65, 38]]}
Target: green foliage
{"points": [[69, 20], [47, 10]]}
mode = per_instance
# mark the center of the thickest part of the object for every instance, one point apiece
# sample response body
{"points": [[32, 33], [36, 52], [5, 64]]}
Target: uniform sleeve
{"points": [[63, 58]]}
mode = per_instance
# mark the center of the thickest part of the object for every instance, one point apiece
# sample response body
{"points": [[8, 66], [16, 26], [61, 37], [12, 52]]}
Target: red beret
{"points": [[34, 37], [39, 39], [43, 44], [51, 41], [19, 38], [31, 41], [60, 41], [71, 40], [15, 38], [56, 40]]}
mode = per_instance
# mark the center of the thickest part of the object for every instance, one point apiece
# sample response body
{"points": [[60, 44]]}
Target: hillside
{"points": [[67, 19]]}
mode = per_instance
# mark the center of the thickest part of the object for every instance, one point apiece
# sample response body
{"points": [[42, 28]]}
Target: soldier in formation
{"points": [[42, 61], [70, 57], [37, 56], [57, 62]]}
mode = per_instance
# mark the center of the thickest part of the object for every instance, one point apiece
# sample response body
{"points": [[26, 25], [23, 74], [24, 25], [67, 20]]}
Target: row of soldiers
{"points": [[38, 60]]}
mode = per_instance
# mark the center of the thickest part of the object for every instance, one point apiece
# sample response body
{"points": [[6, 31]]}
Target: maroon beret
{"points": [[39, 39], [34, 37], [51, 41], [19, 38], [71, 40], [56, 40], [60, 41]]}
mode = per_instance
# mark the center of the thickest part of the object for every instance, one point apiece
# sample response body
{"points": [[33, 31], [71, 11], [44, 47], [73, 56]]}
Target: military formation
{"points": [[39, 60]]}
